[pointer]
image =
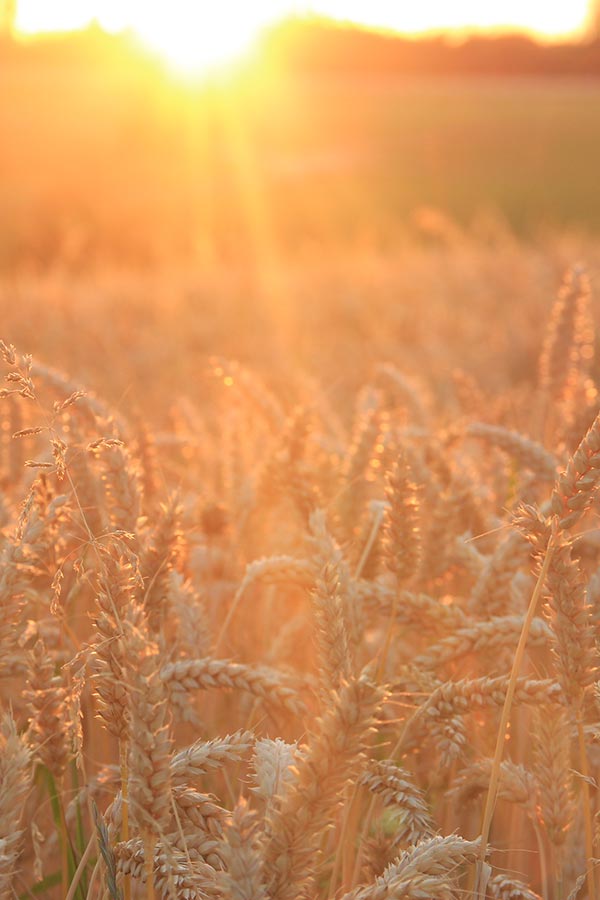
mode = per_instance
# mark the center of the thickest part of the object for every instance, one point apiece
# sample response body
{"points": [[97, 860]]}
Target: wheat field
{"points": [[300, 578]]}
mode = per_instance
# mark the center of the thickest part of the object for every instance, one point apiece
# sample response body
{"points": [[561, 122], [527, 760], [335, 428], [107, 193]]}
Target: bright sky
{"points": [[196, 30]]}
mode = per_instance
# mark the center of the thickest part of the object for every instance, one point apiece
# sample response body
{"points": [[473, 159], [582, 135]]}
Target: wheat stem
{"points": [[149, 845], [376, 525], [81, 867], [542, 856], [587, 809], [506, 709], [123, 750]]}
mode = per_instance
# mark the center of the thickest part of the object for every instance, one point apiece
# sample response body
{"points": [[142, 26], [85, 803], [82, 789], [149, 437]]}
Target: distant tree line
{"points": [[321, 47]]}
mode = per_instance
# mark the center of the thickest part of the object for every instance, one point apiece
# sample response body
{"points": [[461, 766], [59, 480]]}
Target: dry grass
{"points": [[322, 623]]}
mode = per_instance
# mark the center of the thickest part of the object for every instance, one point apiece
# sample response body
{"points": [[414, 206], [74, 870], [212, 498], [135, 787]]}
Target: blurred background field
{"points": [[181, 170], [327, 135], [332, 184]]}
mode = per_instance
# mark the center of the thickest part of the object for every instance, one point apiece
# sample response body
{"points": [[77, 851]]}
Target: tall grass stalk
{"points": [[490, 803]]}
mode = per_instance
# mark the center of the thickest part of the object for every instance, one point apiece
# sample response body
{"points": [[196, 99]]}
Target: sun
{"points": [[201, 36], [192, 35]]}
